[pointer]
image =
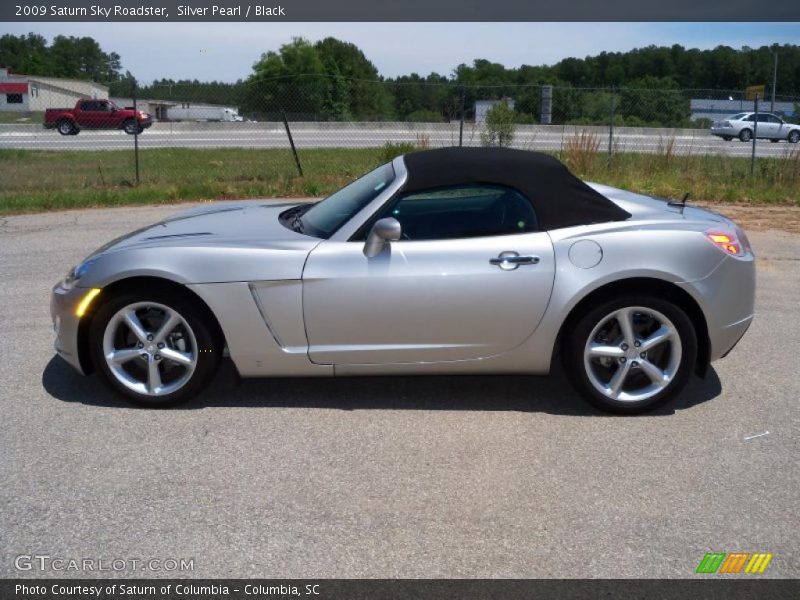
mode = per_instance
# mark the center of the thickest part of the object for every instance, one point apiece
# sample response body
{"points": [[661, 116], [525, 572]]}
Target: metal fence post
{"points": [[611, 126], [136, 135], [755, 137], [291, 143], [461, 117]]}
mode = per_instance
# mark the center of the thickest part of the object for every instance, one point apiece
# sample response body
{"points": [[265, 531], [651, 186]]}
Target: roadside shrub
{"points": [[392, 150], [499, 126]]}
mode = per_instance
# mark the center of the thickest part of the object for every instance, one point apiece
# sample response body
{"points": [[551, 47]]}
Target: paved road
{"points": [[394, 477], [250, 136]]}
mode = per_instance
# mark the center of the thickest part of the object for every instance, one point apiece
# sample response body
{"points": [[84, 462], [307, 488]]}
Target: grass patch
{"points": [[52, 180], [24, 117]]}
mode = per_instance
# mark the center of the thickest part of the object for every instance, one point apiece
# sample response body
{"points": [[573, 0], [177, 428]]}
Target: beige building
{"points": [[28, 93]]}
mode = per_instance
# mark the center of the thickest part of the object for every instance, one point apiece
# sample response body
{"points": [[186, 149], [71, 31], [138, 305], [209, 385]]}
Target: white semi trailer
{"points": [[203, 113]]}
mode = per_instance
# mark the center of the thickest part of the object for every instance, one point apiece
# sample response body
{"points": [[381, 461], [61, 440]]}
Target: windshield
{"points": [[324, 218]]}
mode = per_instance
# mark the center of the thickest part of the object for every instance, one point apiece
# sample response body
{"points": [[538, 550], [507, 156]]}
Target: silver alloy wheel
{"points": [[65, 128], [632, 354], [150, 348]]}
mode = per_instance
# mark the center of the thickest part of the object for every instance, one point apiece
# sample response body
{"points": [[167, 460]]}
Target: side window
{"points": [[764, 119], [773, 119], [749, 118], [462, 212]]}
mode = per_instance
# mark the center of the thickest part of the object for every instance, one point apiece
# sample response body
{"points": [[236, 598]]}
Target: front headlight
{"points": [[75, 273]]}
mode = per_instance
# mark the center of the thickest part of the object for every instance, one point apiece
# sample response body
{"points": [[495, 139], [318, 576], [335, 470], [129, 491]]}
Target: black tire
{"points": [[745, 135], [209, 344], [66, 128], [576, 340], [132, 127], [794, 136], [727, 138]]}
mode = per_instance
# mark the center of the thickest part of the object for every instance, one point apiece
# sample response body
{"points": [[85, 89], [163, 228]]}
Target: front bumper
{"points": [[63, 305]]}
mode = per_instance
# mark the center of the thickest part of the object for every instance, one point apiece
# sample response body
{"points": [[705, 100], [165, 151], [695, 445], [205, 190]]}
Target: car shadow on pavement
{"points": [[524, 393]]}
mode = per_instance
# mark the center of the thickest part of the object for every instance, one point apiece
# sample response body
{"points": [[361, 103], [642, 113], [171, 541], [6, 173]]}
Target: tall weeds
{"points": [[580, 152]]}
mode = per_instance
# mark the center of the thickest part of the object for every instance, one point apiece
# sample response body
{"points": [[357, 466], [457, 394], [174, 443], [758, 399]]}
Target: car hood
{"points": [[250, 224], [215, 243]]}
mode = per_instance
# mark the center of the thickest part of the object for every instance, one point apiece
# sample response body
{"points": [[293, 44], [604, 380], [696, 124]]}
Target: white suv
{"points": [[742, 125]]}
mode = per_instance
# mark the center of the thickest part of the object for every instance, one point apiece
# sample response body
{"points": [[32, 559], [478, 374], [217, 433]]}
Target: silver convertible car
{"points": [[447, 261]]}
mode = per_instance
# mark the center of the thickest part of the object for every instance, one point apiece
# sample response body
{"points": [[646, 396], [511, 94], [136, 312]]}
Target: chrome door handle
{"points": [[509, 260]]}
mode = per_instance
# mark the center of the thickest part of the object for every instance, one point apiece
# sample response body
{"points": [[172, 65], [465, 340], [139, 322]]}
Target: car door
{"points": [[776, 127], [91, 116], [766, 127], [83, 116], [471, 277]]}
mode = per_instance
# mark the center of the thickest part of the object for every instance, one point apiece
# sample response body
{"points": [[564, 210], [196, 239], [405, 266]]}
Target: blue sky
{"points": [[226, 51]]}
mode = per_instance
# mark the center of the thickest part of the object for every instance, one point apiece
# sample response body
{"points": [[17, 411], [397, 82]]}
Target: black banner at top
{"points": [[399, 10]]}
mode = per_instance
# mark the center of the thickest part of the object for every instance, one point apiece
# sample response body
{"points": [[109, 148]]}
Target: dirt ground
{"points": [[762, 217]]}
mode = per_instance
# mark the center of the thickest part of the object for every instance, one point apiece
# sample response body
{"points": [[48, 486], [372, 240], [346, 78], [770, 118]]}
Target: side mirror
{"points": [[383, 231]]}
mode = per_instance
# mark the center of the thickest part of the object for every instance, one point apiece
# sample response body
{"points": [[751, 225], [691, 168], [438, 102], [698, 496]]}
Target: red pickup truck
{"points": [[96, 114]]}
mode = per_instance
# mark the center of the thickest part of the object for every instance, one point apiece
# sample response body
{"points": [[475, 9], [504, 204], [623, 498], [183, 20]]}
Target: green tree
{"points": [[292, 80], [365, 95], [27, 54], [70, 57]]}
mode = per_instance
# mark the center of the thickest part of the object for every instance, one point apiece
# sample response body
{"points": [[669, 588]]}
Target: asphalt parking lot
{"points": [[391, 477]]}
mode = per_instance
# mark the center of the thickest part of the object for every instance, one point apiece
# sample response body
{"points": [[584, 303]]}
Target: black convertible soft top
{"points": [[559, 198]]}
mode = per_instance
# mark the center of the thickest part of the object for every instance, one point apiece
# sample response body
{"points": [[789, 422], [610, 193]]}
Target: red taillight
{"points": [[725, 241]]}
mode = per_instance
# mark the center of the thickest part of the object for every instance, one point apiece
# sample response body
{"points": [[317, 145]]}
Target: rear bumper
{"points": [[725, 131], [727, 299], [63, 303]]}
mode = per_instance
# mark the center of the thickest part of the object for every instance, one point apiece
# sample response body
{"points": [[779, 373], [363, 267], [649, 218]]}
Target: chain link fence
{"points": [[263, 134]]}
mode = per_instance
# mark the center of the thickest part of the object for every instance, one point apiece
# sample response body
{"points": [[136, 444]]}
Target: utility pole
{"points": [[774, 77]]}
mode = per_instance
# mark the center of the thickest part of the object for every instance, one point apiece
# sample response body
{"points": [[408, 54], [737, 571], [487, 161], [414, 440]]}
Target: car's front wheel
{"points": [[155, 348], [132, 127], [794, 137], [631, 354], [745, 135], [727, 138]]}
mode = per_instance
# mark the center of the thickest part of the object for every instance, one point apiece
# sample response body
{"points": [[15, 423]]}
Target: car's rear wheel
{"points": [[745, 135], [794, 136], [155, 348], [65, 127], [631, 354]]}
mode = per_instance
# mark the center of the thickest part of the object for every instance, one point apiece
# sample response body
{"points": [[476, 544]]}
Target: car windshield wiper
{"points": [[297, 224]]}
